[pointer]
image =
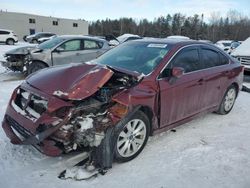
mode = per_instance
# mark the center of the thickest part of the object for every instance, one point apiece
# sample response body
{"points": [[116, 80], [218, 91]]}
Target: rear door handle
{"points": [[227, 73], [200, 81], [78, 53]]}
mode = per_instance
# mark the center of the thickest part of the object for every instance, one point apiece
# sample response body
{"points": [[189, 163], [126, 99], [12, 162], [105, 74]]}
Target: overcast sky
{"points": [[91, 10]]}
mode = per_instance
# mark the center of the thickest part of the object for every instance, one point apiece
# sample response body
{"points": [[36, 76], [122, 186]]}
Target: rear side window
{"points": [[4, 32], [210, 58], [223, 60], [90, 44], [188, 60], [213, 58]]}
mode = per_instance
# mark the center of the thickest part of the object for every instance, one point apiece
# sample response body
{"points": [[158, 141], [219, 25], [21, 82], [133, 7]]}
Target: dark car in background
{"points": [[111, 105], [35, 37]]}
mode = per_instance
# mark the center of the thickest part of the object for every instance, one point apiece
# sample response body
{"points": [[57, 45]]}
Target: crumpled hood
{"points": [[73, 82], [22, 50]]}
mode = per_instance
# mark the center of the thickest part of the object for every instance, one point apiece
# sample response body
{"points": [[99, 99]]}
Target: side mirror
{"points": [[59, 49], [177, 72]]}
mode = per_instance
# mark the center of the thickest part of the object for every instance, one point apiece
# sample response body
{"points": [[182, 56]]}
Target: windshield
{"points": [[141, 57], [51, 43]]}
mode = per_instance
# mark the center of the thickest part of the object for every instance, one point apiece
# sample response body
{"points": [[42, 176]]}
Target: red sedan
{"points": [[111, 105]]}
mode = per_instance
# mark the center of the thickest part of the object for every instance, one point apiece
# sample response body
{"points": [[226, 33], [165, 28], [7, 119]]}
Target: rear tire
{"points": [[10, 42], [35, 66], [131, 138], [228, 100]]}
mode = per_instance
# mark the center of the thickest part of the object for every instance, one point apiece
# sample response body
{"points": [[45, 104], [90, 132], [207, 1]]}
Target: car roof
{"points": [[177, 42], [68, 37], [44, 33], [6, 30], [171, 41], [224, 41]]}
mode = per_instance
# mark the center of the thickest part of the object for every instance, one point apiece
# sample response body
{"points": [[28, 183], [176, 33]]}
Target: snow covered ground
{"points": [[210, 151]]}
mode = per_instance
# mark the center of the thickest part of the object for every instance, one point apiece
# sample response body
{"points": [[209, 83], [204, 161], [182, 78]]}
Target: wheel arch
{"points": [[39, 61], [149, 113], [9, 39], [236, 85]]}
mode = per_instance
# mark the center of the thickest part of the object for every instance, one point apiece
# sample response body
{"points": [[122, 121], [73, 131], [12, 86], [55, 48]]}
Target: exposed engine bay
{"points": [[87, 126], [80, 125]]}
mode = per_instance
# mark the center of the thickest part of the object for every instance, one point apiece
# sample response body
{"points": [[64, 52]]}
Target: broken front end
{"points": [[16, 59], [67, 120]]}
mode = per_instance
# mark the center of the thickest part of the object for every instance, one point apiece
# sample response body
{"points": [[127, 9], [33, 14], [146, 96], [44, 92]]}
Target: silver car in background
{"points": [[57, 51]]}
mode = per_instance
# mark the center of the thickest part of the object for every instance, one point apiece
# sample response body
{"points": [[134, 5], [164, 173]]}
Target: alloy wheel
{"points": [[131, 138]]}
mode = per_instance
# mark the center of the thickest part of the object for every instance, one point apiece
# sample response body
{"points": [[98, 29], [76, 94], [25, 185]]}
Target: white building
{"points": [[25, 24]]}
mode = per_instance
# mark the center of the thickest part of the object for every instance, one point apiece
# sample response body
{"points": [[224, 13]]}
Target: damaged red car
{"points": [[110, 106]]}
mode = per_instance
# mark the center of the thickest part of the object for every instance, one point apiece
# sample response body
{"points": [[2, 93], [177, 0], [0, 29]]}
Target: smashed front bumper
{"points": [[9, 64], [24, 128]]}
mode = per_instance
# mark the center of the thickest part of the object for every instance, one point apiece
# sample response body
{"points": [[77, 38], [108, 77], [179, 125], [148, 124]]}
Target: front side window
{"points": [[72, 45], [141, 57], [188, 59]]}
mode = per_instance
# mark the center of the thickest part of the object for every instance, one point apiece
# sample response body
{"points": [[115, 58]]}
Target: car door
{"points": [[215, 75], [181, 98], [92, 49], [68, 52]]}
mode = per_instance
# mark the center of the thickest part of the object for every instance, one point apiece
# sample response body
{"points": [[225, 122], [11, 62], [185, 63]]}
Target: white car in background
{"points": [[8, 37], [242, 53], [123, 38], [178, 37], [224, 44]]}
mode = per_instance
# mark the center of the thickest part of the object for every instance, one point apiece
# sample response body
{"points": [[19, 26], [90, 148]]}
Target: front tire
{"points": [[131, 138], [35, 66], [228, 100]]}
